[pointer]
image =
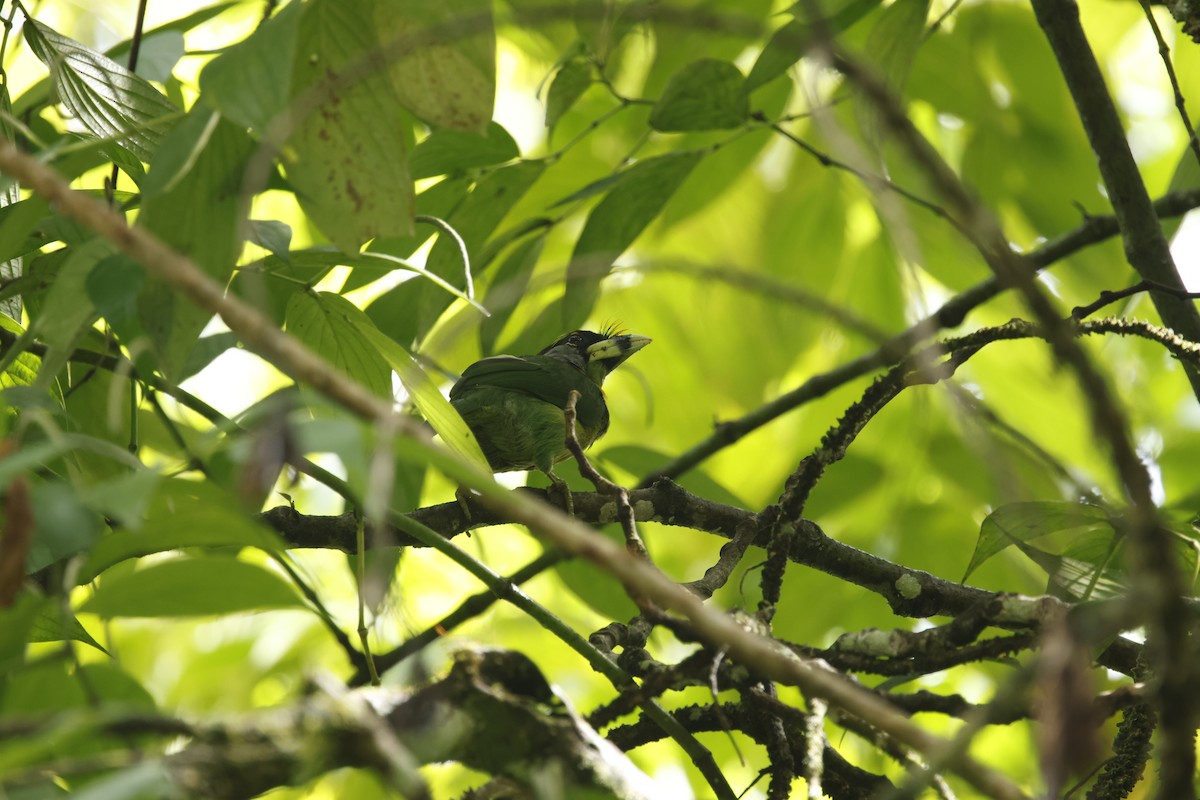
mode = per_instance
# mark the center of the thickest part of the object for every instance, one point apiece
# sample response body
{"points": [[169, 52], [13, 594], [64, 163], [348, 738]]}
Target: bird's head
{"points": [[596, 354]]}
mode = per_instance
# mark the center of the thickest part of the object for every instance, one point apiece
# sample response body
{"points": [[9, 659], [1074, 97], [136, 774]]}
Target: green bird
{"points": [[514, 404]]}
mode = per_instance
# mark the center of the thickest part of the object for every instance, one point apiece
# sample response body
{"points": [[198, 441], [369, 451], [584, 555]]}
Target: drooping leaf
{"points": [[426, 396], [191, 587], [347, 156], [329, 324], [250, 82], [1023, 522], [446, 74], [109, 99], [705, 95], [638, 196]]}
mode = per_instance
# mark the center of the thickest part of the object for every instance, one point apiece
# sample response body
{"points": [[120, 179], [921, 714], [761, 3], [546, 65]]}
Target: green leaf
{"points": [[449, 150], [38, 94], [273, 236], [108, 99], [182, 514], [703, 96], [568, 85], [68, 309], [113, 286], [1023, 522], [63, 526], [789, 44], [158, 55], [56, 625], [191, 587], [250, 82], [348, 157], [329, 324], [427, 396], [206, 351], [638, 196], [409, 311], [17, 223], [204, 157], [507, 287], [891, 47], [125, 498], [16, 623], [447, 74]]}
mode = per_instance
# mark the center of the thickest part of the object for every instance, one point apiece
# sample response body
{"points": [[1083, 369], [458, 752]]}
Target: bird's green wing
{"points": [[546, 379]]}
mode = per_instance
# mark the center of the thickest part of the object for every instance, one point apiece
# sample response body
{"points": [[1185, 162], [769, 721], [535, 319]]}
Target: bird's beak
{"points": [[619, 347]]}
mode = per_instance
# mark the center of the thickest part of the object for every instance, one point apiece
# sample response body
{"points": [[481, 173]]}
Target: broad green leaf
{"points": [[615, 223], [448, 150], [446, 71], [107, 98], [204, 157], [568, 85], [1023, 522], [191, 587], [788, 44], [705, 95], [182, 514], [347, 157], [426, 396], [329, 324], [250, 82]]}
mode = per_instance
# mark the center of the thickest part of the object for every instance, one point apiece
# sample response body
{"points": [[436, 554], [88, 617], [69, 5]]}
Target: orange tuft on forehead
{"points": [[611, 329]]}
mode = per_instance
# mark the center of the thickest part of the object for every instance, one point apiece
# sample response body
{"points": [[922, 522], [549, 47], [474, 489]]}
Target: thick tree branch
{"points": [[1145, 246]]}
